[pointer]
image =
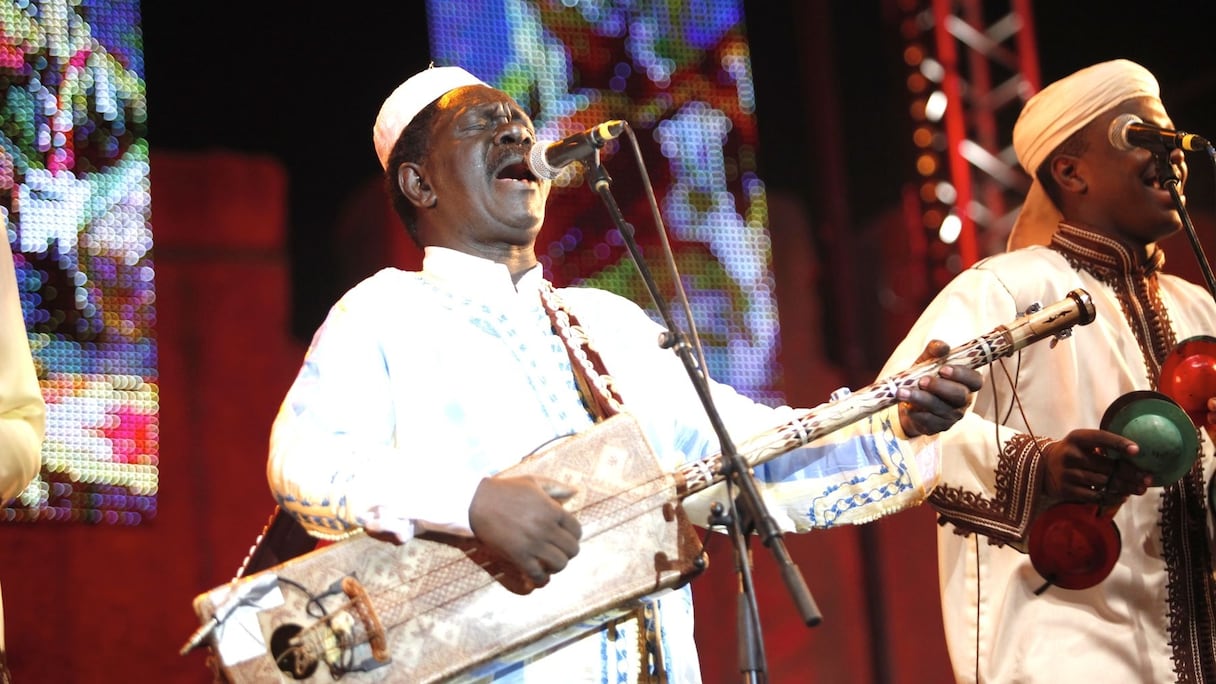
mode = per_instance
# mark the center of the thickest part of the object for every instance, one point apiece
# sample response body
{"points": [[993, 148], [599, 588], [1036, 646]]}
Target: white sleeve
{"points": [[336, 461]]}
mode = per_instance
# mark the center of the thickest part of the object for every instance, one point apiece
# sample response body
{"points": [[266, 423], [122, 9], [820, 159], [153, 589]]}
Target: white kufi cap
{"points": [[411, 97]]}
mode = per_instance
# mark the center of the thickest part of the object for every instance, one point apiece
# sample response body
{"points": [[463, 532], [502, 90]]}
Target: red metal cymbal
{"points": [[1074, 545], [1188, 376]]}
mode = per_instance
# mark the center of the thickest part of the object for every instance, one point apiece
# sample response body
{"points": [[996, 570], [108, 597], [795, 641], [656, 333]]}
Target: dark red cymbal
{"points": [[1188, 375], [1073, 546]]}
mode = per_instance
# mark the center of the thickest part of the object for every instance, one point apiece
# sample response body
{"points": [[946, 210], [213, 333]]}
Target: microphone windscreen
{"points": [[1117, 133], [539, 164]]}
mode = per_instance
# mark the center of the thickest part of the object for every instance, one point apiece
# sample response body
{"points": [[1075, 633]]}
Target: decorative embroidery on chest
{"points": [[1135, 285], [540, 355]]}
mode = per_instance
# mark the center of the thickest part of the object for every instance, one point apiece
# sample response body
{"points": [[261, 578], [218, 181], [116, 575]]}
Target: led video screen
{"points": [[680, 75], [74, 202]]}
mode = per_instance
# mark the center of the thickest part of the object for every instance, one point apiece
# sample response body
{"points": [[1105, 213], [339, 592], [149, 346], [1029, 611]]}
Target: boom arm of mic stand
{"points": [[735, 468], [1169, 179]]}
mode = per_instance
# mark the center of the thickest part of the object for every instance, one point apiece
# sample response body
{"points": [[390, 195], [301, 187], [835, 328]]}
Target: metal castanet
{"points": [[446, 609]]}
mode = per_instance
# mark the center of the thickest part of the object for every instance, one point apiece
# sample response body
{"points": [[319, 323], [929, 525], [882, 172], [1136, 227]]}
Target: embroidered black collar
{"points": [[1106, 258]]}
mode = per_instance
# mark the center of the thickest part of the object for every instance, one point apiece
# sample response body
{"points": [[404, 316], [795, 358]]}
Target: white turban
{"points": [[1053, 114], [411, 97]]}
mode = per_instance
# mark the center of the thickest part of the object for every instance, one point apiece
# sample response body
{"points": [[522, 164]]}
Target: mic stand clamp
{"points": [[735, 469]]}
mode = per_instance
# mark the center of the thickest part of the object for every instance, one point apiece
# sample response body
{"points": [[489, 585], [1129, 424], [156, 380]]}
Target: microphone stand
{"points": [[734, 467], [747, 613], [1168, 175]]}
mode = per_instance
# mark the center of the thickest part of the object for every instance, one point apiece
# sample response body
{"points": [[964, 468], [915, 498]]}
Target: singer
{"points": [[421, 385], [1092, 219]]}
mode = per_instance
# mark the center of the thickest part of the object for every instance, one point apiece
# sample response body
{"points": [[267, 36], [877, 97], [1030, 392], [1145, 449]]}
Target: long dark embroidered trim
{"points": [[1133, 277], [1191, 585], [1183, 519], [1005, 517]]}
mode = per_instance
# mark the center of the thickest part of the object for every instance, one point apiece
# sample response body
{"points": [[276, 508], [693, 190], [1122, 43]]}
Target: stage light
{"points": [[935, 106], [951, 226]]}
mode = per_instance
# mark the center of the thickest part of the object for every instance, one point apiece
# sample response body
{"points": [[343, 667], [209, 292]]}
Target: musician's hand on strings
{"points": [[938, 401], [522, 519], [1077, 468]]}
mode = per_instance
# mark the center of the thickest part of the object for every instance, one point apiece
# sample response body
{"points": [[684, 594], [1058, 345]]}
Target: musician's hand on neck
{"points": [[938, 401]]}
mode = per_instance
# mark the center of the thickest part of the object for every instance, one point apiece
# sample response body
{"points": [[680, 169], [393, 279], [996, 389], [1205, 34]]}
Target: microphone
{"points": [[1129, 131], [548, 159]]}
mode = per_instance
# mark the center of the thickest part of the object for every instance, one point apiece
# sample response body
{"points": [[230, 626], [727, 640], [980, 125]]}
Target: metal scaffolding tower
{"points": [[972, 64]]}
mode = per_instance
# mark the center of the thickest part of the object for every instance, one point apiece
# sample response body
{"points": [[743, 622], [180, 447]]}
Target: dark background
{"points": [[302, 82]]}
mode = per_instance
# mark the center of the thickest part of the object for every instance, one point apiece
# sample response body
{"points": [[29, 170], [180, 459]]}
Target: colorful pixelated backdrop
{"points": [[680, 74], [74, 199]]}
